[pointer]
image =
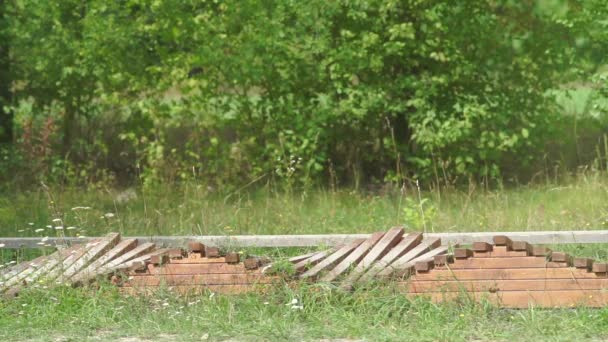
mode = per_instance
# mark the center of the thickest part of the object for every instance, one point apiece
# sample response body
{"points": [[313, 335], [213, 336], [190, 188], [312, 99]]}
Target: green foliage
{"points": [[234, 91]]}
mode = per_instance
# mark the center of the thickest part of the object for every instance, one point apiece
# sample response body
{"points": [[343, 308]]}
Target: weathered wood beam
{"points": [[532, 237]]}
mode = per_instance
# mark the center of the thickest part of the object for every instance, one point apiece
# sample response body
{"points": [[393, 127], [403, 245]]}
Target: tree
{"points": [[6, 116]]}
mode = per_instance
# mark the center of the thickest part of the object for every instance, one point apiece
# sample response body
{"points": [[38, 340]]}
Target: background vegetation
{"points": [[339, 93], [281, 116]]}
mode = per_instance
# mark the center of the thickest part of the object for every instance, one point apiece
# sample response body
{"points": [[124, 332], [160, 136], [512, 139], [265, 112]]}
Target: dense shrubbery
{"points": [[304, 91]]}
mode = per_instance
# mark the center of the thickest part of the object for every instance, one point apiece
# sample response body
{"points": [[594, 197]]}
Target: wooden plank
{"points": [[506, 274], [500, 252], [533, 237], [409, 268], [402, 263], [315, 259], [502, 240], [92, 270], [481, 246], [23, 270], [198, 279], [541, 251], [600, 268], [75, 254], [462, 253], [424, 265], [140, 259], [443, 260], [137, 252], [196, 268], [525, 299], [331, 260], [53, 261], [419, 286], [561, 257], [515, 262], [388, 241], [583, 263], [299, 258], [90, 255], [408, 243], [199, 260], [522, 246], [353, 258]]}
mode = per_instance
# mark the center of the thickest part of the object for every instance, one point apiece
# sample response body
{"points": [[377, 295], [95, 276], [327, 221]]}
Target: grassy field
{"points": [[376, 314]]}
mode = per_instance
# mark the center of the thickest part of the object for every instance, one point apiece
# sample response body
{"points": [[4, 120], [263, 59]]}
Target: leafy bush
{"points": [[302, 92]]}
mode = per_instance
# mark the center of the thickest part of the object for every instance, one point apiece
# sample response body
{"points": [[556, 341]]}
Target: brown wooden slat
{"points": [[120, 249], [388, 241], [134, 253], [315, 259], [90, 255], [332, 259], [419, 286], [462, 253], [424, 265], [522, 246], [53, 261], [403, 263], [505, 274], [500, 252], [140, 259], [583, 263], [196, 268], [524, 299], [480, 246], [299, 258], [502, 240], [444, 259], [600, 268], [408, 269], [541, 251], [560, 257], [199, 260], [196, 247], [353, 258], [198, 279], [212, 252], [515, 262], [407, 244]]}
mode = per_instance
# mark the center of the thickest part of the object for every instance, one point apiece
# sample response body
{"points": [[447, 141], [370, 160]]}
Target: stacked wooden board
{"points": [[200, 269], [383, 255], [508, 273], [511, 274]]}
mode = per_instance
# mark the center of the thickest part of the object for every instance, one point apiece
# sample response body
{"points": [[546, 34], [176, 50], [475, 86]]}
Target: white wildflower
{"points": [[49, 227], [297, 307], [39, 230], [2, 245], [56, 220], [81, 208], [59, 228], [21, 230], [45, 238], [109, 215], [31, 223], [71, 228]]}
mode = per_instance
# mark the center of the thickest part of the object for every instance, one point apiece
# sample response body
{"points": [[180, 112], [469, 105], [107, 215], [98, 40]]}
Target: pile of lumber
{"points": [[201, 268], [383, 255], [137, 266], [507, 273], [511, 274]]}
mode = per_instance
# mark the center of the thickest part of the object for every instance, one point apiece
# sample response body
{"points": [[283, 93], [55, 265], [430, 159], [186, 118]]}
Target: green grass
{"points": [[191, 209], [376, 314]]}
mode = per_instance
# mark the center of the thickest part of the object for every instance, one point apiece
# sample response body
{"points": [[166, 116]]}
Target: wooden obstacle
{"points": [[508, 273], [511, 274]]}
